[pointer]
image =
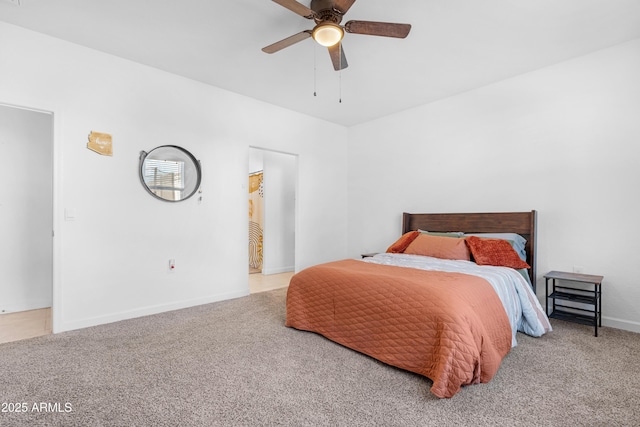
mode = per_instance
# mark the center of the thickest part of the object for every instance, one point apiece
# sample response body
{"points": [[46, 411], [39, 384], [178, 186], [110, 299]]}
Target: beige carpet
{"points": [[234, 364]]}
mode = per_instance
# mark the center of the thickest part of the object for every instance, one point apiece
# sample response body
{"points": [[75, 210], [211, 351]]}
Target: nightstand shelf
{"points": [[576, 295], [583, 319]]}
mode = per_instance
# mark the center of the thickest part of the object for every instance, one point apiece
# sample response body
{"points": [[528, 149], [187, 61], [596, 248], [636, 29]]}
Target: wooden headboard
{"points": [[522, 223]]}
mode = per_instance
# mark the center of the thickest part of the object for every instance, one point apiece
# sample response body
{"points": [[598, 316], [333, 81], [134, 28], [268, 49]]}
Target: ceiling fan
{"points": [[328, 32]]}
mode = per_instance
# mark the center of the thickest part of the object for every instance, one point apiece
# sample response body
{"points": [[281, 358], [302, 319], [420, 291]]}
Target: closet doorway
{"points": [[26, 223], [272, 218]]}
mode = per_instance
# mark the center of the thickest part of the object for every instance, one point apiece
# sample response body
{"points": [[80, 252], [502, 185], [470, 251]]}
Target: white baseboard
{"points": [[15, 307], [626, 325], [277, 270], [145, 311]]}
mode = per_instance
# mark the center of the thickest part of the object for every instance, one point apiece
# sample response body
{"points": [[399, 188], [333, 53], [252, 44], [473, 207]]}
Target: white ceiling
{"points": [[454, 45]]}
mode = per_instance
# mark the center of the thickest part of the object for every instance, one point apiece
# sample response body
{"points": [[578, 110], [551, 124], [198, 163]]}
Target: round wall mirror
{"points": [[170, 173]]}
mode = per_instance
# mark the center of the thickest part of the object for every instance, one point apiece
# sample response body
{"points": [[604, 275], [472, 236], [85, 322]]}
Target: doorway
{"points": [[272, 212], [26, 223]]}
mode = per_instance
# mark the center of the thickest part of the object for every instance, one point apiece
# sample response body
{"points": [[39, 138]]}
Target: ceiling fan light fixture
{"points": [[328, 34]]}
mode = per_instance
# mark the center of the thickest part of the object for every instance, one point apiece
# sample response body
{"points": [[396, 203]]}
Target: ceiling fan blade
{"points": [[385, 29], [337, 57], [298, 8], [343, 5], [273, 48]]}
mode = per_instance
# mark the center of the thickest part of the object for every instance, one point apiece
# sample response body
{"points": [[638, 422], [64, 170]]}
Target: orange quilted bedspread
{"points": [[449, 327]]}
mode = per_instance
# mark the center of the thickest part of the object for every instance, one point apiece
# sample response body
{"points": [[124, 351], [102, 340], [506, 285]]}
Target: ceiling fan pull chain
{"points": [[315, 77], [340, 77]]}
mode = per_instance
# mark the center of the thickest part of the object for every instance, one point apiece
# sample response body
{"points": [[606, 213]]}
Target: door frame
{"points": [[56, 159], [296, 208]]}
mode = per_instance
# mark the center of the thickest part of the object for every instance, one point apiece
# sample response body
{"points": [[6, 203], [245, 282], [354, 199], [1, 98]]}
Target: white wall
{"points": [[256, 160], [562, 140], [26, 210], [111, 261]]}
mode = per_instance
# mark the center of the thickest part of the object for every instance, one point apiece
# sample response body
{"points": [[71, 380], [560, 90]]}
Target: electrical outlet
{"points": [[578, 269]]}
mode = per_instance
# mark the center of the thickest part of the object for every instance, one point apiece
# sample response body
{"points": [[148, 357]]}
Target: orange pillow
{"points": [[439, 247], [494, 252], [401, 244]]}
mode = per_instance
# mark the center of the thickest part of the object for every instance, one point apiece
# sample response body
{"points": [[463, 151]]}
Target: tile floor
{"points": [[25, 324], [266, 282]]}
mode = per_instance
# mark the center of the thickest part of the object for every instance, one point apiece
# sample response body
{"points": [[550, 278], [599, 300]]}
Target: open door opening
{"points": [[26, 223], [272, 218]]}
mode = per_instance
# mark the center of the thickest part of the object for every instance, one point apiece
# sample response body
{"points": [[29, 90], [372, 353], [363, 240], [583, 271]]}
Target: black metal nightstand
{"points": [[576, 295]]}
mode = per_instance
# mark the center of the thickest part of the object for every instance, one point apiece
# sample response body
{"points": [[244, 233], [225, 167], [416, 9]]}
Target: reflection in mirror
{"points": [[170, 173]]}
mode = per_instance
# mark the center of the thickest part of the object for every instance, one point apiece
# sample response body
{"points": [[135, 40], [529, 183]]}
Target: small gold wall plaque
{"points": [[100, 143]]}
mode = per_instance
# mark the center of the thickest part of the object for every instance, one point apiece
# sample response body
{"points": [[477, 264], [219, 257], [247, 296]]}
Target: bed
{"points": [[445, 317]]}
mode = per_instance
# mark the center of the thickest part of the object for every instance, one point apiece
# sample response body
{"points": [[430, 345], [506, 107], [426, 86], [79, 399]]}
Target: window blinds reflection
{"points": [[164, 178], [169, 173]]}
